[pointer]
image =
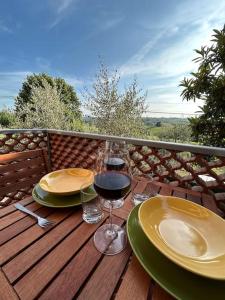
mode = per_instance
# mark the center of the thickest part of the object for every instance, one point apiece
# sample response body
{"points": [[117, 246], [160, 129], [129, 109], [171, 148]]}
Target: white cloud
{"points": [[60, 8], [164, 63], [75, 82]]}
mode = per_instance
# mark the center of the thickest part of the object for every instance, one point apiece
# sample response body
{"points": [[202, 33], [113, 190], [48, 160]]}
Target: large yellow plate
{"points": [[66, 181], [188, 234]]}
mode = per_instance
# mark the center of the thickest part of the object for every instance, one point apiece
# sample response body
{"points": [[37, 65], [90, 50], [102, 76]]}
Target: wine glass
{"points": [[116, 157], [111, 185]]}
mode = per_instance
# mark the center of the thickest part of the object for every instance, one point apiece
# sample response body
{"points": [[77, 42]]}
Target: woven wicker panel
{"points": [[190, 170], [73, 152], [175, 167], [18, 142], [19, 172]]}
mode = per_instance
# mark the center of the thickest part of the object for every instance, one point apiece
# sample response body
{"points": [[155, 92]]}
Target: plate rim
{"points": [[176, 261], [64, 193], [49, 205], [149, 271]]}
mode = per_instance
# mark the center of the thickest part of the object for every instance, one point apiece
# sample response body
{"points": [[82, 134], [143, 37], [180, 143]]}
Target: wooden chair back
{"points": [[19, 172]]}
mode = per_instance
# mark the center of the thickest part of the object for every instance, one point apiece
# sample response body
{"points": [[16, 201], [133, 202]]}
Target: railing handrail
{"points": [[142, 142]]}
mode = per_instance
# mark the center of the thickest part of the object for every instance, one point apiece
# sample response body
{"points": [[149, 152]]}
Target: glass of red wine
{"points": [[111, 184], [116, 158]]}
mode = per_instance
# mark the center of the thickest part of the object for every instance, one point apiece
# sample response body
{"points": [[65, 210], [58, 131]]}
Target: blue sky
{"points": [[152, 40]]}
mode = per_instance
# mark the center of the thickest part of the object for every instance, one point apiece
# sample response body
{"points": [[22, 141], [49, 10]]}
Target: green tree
{"points": [[115, 112], [67, 94], [175, 133], [208, 84], [46, 109], [7, 118]]}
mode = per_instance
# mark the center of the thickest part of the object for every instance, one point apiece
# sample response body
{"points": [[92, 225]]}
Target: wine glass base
{"points": [[115, 203], [110, 242]]}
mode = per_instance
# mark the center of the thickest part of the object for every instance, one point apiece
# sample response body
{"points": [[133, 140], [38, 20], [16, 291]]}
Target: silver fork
{"points": [[41, 221]]}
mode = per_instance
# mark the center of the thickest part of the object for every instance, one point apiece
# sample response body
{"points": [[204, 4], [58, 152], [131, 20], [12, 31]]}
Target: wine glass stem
{"points": [[110, 216]]}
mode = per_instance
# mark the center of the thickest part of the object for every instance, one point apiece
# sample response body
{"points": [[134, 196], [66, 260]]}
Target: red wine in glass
{"points": [[112, 185], [110, 238], [115, 163]]}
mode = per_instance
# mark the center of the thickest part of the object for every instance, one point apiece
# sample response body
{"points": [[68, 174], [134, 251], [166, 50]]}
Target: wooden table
{"points": [[62, 263]]}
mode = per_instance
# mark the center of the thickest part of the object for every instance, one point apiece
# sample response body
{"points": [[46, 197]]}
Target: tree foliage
{"points": [[208, 84], [115, 112], [67, 94], [46, 109], [7, 118], [175, 133]]}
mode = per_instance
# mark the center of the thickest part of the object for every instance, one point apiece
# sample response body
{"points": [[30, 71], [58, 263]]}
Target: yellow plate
{"points": [[188, 234], [66, 181]]}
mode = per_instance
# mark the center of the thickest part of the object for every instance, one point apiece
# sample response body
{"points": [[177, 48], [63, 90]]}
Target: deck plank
{"points": [[11, 208], [105, 278], [33, 282], [17, 244], [26, 259], [14, 229], [17, 215], [209, 203], [69, 281], [6, 290], [135, 284], [160, 294]]}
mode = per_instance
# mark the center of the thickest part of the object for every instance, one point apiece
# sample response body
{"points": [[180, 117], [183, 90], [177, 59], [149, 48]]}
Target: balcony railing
{"points": [[194, 167]]}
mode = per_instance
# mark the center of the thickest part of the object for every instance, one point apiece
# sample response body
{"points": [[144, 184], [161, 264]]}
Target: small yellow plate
{"points": [[66, 181], [187, 233]]}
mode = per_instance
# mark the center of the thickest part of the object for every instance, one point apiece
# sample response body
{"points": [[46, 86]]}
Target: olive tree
{"points": [[115, 112]]}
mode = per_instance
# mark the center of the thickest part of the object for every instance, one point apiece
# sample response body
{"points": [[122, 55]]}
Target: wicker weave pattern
{"points": [[182, 169], [170, 166], [72, 152], [17, 142]]}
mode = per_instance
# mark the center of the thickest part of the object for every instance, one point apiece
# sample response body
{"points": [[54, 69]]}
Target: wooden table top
{"points": [[62, 263]]}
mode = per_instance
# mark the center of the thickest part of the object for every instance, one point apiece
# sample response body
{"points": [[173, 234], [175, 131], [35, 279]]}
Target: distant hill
{"points": [[173, 120]]}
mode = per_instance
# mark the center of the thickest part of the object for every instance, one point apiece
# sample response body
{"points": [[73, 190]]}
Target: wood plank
{"points": [[135, 284], [21, 225], [11, 208], [26, 259], [28, 182], [18, 243], [165, 190], [37, 161], [69, 281], [72, 277], [179, 194], [6, 292], [33, 282], [17, 215], [16, 156], [102, 283], [25, 172], [152, 188], [194, 198], [209, 202], [159, 294]]}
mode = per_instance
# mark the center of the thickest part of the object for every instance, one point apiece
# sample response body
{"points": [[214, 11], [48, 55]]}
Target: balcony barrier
{"points": [[194, 167]]}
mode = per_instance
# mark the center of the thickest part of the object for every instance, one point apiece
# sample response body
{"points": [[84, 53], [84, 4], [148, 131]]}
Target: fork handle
{"points": [[24, 209]]}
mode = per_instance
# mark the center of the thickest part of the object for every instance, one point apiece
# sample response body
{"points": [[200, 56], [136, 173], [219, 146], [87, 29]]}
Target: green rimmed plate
{"points": [[177, 281], [51, 200]]}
